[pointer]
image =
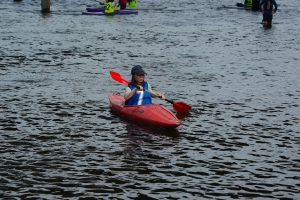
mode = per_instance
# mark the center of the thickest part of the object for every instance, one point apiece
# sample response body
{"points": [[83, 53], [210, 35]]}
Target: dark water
{"points": [[60, 139]]}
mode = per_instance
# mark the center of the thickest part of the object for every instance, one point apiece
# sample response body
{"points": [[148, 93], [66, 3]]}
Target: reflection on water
{"points": [[138, 136], [45, 14], [61, 140], [182, 115]]}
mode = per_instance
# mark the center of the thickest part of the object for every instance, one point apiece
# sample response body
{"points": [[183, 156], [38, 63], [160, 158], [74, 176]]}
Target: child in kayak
{"points": [[139, 92], [109, 6], [122, 4]]}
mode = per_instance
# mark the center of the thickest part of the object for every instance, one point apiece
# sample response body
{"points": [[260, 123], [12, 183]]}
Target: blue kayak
{"points": [[117, 12]]}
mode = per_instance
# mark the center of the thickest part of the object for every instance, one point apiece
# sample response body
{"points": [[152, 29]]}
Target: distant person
{"points": [[122, 4], [266, 7], [255, 5], [46, 5], [247, 3], [109, 6], [132, 3], [135, 93]]}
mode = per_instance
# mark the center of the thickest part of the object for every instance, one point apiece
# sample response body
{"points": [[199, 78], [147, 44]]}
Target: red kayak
{"points": [[153, 115]]}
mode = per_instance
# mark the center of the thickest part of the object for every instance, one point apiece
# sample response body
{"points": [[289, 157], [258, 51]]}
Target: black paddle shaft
{"points": [[170, 101]]}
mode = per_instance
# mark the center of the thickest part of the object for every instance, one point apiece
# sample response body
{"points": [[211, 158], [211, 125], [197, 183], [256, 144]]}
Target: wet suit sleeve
{"points": [[275, 4]]}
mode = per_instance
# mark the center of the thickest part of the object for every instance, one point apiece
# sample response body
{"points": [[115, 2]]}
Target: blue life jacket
{"points": [[139, 97]]}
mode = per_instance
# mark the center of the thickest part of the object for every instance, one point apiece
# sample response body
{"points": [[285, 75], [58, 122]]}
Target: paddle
{"points": [[99, 2], [178, 106]]}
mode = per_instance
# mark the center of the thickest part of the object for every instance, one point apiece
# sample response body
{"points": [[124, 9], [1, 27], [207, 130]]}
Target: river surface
{"points": [[61, 140]]}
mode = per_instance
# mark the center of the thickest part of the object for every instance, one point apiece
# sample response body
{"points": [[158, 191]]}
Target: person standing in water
{"points": [[255, 5], [46, 5], [122, 4], [268, 8]]}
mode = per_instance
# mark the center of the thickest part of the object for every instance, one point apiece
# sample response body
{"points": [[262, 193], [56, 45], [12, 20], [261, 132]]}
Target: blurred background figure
{"points": [[46, 5]]}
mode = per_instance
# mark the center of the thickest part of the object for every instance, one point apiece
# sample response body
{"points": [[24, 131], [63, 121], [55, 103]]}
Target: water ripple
{"points": [[61, 140]]}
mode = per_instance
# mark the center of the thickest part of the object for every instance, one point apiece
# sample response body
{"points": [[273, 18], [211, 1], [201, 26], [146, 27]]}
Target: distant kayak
{"points": [[117, 12], [145, 8], [152, 115], [101, 8], [237, 7]]}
